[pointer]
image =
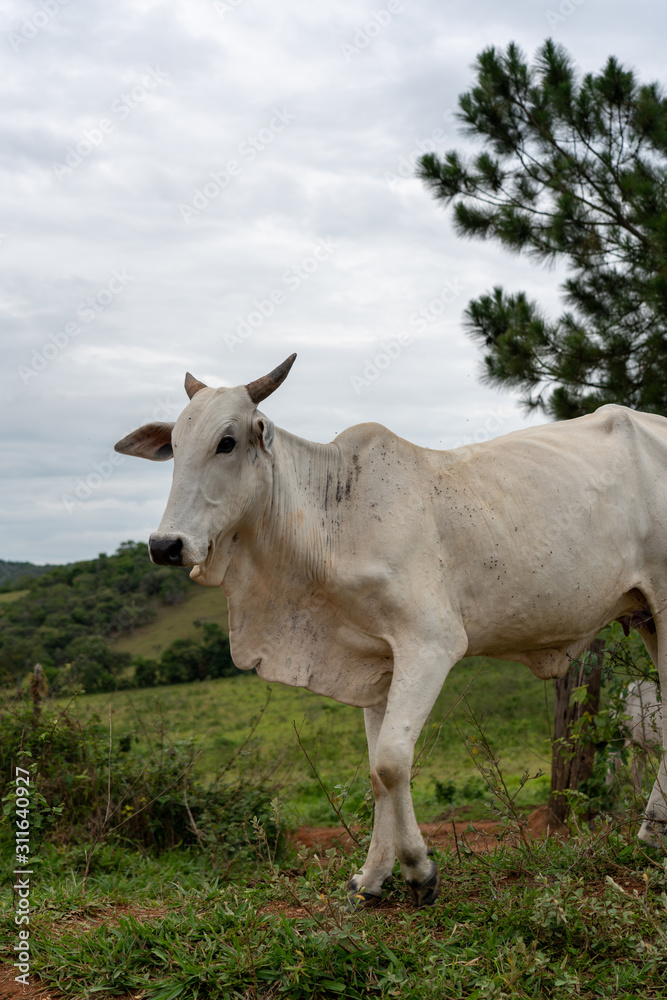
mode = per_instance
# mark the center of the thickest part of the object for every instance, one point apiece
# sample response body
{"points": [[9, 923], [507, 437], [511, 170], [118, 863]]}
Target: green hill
{"points": [[176, 621], [74, 614], [12, 573]]}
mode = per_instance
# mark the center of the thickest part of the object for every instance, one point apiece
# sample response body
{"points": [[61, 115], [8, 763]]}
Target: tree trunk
{"points": [[572, 756]]}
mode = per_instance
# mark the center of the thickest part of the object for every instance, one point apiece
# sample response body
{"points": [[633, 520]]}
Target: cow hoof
{"points": [[654, 832], [426, 893], [358, 897], [362, 901]]}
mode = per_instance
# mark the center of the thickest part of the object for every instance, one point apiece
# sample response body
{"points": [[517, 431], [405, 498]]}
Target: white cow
{"points": [[643, 725], [365, 568]]}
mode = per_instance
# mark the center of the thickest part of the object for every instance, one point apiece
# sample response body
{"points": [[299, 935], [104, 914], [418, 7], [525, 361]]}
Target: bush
{"points": [[82, 603], [186, 660], [85, 790], [145, 672], [181, 662]]}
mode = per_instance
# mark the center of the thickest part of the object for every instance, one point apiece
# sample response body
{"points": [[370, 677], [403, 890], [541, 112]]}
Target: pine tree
{"points": [[572, 170]]}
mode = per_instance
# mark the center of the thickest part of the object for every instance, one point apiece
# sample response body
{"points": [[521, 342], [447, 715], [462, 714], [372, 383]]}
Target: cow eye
{"points": [[226, 445]]}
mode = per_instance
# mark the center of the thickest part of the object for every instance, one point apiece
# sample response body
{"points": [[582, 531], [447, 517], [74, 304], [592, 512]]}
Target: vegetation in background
{"points": [[15, 574], [163, 883], [574, 170], [69, 618], [204, 658], [216, 714], [175, 621], [560, 918], [92, 785]]}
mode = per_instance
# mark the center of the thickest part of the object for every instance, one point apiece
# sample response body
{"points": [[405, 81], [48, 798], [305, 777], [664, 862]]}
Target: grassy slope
{"points": [[12, 595], [176, 621], [218, 714]]}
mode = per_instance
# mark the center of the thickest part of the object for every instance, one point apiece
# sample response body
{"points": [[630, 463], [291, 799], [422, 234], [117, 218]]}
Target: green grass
{"points": [[176, 621], [218, 714], [557, 921], [12, 595]]}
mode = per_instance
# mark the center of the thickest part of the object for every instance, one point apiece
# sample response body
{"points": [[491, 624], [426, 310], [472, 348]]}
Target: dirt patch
{"points": [[94, 917], [11, 990], [479, 836], [36, 990]]}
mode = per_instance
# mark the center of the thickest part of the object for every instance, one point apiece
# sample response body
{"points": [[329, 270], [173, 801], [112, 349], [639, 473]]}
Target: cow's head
{"points": [[221, 446]]}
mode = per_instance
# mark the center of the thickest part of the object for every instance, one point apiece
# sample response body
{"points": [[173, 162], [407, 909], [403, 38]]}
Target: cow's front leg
{"points": [[365, 887], [411, 697]]}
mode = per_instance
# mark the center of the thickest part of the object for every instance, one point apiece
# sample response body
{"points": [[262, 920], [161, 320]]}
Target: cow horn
{"points": [[264, 386], [193, 385]]}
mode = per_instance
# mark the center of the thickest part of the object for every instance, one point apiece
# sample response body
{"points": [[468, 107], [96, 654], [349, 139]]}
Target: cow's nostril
{"points": [[167, 551]]}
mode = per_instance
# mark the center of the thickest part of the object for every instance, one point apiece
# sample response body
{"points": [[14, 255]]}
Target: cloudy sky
{"points": [[213, 184]]}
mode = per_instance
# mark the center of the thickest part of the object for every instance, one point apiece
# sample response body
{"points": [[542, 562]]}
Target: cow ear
{"points": [[152, 441], [263, 430]]}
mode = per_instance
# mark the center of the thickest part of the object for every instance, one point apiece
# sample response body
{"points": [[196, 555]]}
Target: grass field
{"points": [[176, 621], [217, 715], [12, 595]]}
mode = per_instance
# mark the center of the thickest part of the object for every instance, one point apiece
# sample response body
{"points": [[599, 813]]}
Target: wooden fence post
{"points": [[572, 758]]}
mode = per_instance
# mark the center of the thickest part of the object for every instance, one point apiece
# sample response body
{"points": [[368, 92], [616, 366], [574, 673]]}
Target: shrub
{"points": [[186, 660], [87, 788]]}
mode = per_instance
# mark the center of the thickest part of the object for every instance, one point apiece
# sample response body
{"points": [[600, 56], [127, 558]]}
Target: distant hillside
{"points": [[11, 573], [74, 613]]}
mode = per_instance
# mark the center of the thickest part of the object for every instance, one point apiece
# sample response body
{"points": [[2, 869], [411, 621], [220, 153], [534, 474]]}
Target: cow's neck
{"points": [[298, 527]]}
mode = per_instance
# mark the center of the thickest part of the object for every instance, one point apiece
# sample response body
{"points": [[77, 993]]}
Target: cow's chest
{"points": [[305, 640]]}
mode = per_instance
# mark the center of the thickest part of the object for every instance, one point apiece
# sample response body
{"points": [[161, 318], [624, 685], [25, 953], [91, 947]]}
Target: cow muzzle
{"points": [[166, 550], [171, 548]]}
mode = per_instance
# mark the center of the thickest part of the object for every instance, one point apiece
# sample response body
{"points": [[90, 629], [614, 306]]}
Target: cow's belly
{"points": [[546, 632]]}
